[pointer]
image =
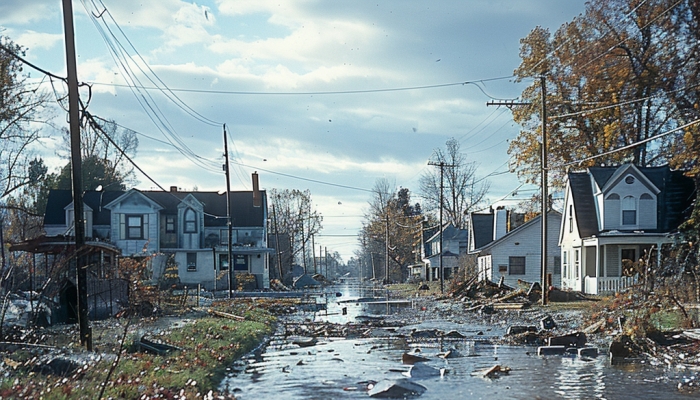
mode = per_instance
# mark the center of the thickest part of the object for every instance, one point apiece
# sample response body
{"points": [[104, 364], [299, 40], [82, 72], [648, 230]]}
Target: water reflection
{"points": [[338, 368]]}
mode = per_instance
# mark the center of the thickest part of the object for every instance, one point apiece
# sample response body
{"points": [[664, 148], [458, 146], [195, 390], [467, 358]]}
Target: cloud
{"points": [[22, 12], [38, 40]]}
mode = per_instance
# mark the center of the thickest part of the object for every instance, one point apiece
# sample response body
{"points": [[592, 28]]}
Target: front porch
{"points": [[608, 285], [611, 263]]}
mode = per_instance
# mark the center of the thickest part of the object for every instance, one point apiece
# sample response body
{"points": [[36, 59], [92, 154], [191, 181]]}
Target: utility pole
{"points": [[231, 274], [386, 253], [277, 241], [313, 253], [76, 169], [442, 166], [543, 184], [545, 288]]}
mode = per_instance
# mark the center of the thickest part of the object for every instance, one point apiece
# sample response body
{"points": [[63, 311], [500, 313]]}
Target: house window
{"points": [[170, 224], [223, 262], [629, 179], [577, 262], [191, 262], [133, 226], [557, 265], [571, 218], [629, 211], [190, 221], [516, 265], [565, 265]]}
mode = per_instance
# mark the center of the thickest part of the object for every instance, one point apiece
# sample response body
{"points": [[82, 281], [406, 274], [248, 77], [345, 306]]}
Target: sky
{"points": [[327, 96]]}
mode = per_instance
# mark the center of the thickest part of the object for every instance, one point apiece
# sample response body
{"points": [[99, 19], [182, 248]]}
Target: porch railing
{"points": [[608, 285]]}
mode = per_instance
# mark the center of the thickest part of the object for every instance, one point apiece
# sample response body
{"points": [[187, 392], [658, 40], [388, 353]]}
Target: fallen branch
{"points": [[226, 315]]}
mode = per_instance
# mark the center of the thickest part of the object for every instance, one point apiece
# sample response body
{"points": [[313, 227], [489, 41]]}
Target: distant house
{"points": [[508, 248], [187, 228], [614, 216], [454, 244]]}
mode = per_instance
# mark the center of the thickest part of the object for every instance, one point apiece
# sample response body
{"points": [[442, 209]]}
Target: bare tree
{"points": [[461, 190], [23, 111], [296, 217], [94, 145]]}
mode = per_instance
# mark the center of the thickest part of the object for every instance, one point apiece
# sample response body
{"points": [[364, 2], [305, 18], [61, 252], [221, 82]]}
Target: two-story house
{"points": [[454, 243], [187, 229], [510, 249], [617, 215]]}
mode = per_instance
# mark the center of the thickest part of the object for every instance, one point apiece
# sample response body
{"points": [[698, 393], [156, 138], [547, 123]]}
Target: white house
{"points": [[617, 215], [509, 250], [188, 227], [454, 243]]}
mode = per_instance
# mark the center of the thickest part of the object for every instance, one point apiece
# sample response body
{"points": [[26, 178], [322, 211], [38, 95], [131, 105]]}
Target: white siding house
{"points": [[617, 215], [516, 254]]}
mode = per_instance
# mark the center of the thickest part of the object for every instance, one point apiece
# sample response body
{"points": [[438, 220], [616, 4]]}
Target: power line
{"points": [[331, 92], [629, 146]]}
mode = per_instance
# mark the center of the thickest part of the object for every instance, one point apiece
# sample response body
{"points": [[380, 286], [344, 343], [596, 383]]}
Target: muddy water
{"points": [[341, 368]]}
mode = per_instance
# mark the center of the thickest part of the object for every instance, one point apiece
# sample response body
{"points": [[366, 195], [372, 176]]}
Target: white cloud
{"points": [[38, 40]]}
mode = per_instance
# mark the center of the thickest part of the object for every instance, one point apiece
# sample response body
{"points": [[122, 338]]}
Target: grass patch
{"points": [[209, 345]]}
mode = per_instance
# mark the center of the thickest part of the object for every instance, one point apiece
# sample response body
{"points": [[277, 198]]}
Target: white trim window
{"points": [[629, 211], [133, 226], [190, 218]]}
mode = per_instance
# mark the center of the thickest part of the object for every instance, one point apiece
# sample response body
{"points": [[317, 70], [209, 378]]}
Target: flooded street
{"points": [[336, 368]]}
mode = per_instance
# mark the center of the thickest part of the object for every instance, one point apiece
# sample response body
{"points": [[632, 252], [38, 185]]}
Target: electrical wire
{"points": [[629, 146], [122, 59], [320, 93]]}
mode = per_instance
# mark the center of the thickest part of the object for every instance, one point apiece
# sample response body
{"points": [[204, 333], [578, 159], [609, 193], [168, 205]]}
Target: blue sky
{"points": [[298, 85]]}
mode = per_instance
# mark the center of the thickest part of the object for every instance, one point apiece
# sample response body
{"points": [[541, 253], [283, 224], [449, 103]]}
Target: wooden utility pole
{"points": [[313, 253], [545, 195], [277, 241], [76, 170], [231, 273], [543, 184], [442, 166]]}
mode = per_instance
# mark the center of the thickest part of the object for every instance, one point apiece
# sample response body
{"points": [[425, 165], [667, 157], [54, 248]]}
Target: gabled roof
{"points": [[449, 232], [584, 204], [674, 199], [242, 211], [481, 229], [517, 231]]}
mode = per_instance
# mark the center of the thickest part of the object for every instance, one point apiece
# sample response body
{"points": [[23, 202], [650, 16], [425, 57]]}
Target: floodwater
{"points": [[338, 368]]}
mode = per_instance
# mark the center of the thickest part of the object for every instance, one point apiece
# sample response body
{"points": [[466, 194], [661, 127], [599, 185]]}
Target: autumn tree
{"points": [[607, 78], [294, 216], [390, 216], [462, 191]]}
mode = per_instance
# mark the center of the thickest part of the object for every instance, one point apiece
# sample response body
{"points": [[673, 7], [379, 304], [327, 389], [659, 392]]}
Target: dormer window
{"points": [[190, 221], [629, 211]]}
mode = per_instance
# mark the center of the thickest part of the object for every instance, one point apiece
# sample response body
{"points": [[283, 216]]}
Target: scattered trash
{"points": [[150, 346], [408, 358], [399, 388], [494, 372]]}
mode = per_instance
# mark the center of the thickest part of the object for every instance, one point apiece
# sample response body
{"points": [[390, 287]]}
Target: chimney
{"points": [[500, 223], [257, 201], [173, 188]]}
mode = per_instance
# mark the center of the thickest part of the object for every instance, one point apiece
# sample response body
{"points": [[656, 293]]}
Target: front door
{"points": [[628, 256], [240, 262]]}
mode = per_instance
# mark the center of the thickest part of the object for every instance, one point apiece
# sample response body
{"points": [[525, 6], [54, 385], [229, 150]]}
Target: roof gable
{"points": [[521, 230], [675, 194], [133, 199], [624, 171]]}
